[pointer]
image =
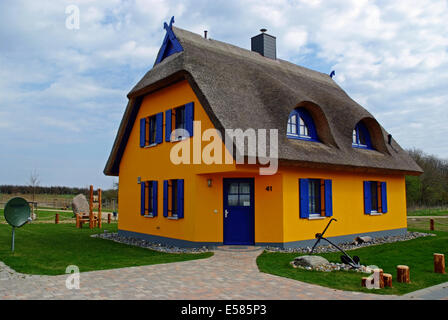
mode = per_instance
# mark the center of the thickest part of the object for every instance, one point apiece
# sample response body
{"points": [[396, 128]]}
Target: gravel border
{"points": [[319, 249], [351, 245], [147, 244]]}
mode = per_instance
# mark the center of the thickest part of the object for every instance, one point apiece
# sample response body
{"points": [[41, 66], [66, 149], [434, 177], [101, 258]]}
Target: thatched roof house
{"points": [[335, 159]]}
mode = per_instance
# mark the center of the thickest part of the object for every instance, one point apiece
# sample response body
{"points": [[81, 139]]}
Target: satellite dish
{"points": [[17, 213]]}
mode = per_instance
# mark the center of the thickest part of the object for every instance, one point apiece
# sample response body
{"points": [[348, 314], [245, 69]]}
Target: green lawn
{"points": [[417, 254], [428, 212], [47, 249]]}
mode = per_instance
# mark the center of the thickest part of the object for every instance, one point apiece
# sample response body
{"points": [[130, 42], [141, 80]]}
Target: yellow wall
{"points": [[348, 204], [154, 164], [276, 212]]}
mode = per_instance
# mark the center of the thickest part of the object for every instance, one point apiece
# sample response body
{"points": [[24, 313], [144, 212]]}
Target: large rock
{"points": [[310, 261], [80, 204], [363, 239]]}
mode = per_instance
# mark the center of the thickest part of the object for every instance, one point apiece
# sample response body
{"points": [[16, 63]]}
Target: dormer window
{"points": [[361, 137], [301, 126]]}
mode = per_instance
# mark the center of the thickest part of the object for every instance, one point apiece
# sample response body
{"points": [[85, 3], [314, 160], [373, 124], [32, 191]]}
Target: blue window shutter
{"points": [[159, 128], [328, 198], [154, 198], [180, 199], [384, 196], [304, 198], [165, 198], [142, 198], [142, 132], [168, 121], [189, 117], [367, 200]]}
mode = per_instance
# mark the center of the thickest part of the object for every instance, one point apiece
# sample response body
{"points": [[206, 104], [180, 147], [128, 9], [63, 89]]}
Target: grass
{"points": [[429, 212], [47, 249], [423, 224], [49, 216], [417, 254]]}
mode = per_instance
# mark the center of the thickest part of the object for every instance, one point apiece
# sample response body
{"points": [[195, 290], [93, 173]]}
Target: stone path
{"points": [[231, 273], [438, 292]]}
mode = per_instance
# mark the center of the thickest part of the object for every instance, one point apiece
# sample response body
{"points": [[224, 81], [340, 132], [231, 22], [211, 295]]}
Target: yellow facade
{"points": [[276, 212]]}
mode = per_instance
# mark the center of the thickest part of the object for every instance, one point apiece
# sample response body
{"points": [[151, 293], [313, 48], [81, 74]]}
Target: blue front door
{"points": [[239, 213]]}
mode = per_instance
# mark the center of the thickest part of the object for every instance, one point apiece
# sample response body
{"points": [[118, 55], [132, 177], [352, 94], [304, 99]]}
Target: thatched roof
{"points": [[239, 88]]}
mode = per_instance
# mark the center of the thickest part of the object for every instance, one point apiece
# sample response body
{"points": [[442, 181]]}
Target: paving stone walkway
{"points": [[231, 273]]}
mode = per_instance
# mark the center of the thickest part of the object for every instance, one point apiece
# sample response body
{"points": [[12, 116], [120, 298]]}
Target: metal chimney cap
{"points": [[263, 30]]}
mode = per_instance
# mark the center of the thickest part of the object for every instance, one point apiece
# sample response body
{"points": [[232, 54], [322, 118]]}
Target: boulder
{"points": [[80, 204], [310, 261], [363, 239]]}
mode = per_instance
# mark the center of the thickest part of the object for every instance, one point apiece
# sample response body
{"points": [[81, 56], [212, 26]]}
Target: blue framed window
{"points": [[148, 198], [179, 115], [180, 118], [173, 198], [316, 198], [301, 126], [361, 137], [238, 194], [151, 130], [375, 197]]}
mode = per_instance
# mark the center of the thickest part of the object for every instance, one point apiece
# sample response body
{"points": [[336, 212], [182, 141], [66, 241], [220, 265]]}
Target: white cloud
{"points": [[59, 85]]}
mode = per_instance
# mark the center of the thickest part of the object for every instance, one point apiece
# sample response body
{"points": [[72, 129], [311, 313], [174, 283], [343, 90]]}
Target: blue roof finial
{"points": [[170, 43], [166, 26]]}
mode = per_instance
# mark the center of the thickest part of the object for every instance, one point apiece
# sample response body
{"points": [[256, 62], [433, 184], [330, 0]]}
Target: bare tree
{"points": [[34, 182]]}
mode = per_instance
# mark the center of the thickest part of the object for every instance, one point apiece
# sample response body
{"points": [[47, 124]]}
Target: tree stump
{"points": [[403, 274], [387, 280], [439, 263], [109, 216], [364, 281], [381, 279], [56, 218], [431, 224]]}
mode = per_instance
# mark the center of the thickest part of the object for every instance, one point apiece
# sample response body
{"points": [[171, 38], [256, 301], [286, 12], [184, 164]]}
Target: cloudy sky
{"points": [[63, 91]]}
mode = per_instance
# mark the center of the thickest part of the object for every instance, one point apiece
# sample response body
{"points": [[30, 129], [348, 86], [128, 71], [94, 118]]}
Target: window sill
{"points": [[317, 218], [148, 216], [150, 146], [297, 137], [173, 218], [376, 213], [179, 139], [358, 146]]}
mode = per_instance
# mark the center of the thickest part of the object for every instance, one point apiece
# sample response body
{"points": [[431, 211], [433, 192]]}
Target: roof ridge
{"points": [[254, 56]]}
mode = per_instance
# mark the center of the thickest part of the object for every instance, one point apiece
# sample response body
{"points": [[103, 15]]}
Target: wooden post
{"points": [[439, 263], [56, 218], [109, 218], [364, 282], [77, 220], [387, 279], [403, 274], [431, 224], [99, 209], [91, 208], [381, 279]]}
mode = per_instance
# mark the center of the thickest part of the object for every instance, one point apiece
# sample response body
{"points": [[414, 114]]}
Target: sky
{"points": [[63, 90]]}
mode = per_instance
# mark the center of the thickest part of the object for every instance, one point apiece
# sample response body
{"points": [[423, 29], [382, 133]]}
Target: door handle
{"points": [[226, 213]]}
